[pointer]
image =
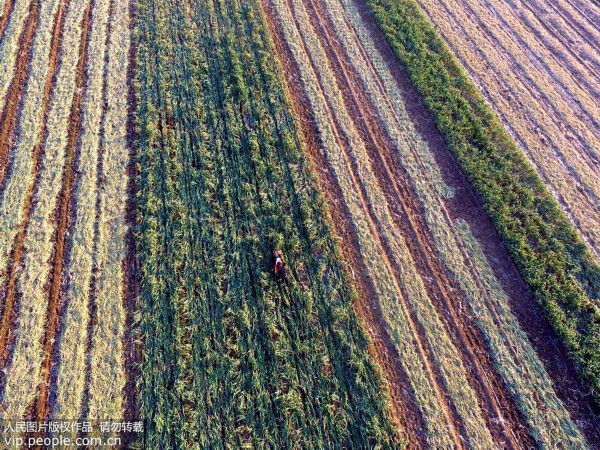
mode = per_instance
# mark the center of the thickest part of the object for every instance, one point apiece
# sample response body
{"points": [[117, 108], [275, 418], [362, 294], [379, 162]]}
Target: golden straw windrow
{"points": [[9, 46], [71, 377], [108, 369], [23, 373]]}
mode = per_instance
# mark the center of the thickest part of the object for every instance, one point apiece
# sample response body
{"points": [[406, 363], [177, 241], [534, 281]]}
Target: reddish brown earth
{"points": [[63, 218], [10, 114], [8, 293], [8, 7], [410, 221], [538, 64]]}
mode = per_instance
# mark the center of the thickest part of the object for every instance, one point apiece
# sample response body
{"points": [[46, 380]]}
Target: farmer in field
{"points": [[279, 266]]}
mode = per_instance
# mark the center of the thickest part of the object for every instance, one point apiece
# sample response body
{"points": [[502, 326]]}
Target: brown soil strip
{"points": [[9, 294], [405, 412], [8, 8], [465, 205], [131, 280], [63, 219], [12, 109], [556, 138], [410, 221]]}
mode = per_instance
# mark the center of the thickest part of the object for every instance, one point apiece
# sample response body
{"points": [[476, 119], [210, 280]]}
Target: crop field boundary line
{"points": [[549, 287], [483, 289]]}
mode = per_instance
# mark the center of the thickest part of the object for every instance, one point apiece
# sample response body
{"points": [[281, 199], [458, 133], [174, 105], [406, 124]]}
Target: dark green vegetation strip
{"points": [[555, 263], [230, 359]]}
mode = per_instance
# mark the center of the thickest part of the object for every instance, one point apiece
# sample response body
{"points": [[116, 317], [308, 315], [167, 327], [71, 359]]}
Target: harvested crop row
{"points": [[530, 78], [107, 358], [71, 377], [9, 46], [379, 83], [20, 178], [552, 259], [255, 364], [23, 372]]}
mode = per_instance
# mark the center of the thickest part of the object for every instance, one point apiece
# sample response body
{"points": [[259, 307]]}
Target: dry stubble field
{"points": [[538, 65]]}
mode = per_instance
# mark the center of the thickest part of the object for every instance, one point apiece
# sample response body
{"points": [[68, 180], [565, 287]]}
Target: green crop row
{"points": [[231, 359], [554, 261]]}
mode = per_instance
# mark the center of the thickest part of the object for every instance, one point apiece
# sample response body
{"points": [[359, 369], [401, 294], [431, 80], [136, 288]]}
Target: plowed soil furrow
{"points": [[8, 308], [410, 221], [555, 91], [63, 218], [544, 118], [12, 107], [434, 376], [6, 8]]}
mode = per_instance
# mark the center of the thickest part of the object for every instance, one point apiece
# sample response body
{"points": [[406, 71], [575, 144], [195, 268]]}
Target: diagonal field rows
{"points": [[63, 247], [23, 370], [9, 46], [514, 359], [537, 64], [429, 388]]}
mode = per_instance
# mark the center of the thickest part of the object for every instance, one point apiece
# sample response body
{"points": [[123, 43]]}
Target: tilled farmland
{"points": [[439, 301], [155, 153], [538, 64], [64, 344]]}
